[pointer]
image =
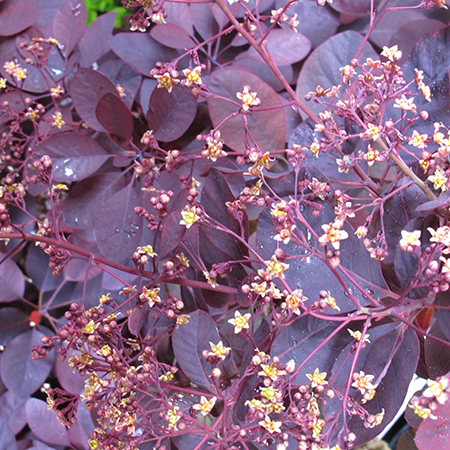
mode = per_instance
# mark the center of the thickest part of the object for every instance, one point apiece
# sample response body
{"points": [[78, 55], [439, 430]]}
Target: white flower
{"points": [[240, 322]]}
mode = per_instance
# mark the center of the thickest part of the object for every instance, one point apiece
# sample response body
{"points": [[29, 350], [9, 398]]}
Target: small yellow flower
{"points": [[392, 53], [90, 327], [317, 378], [56, 91], [151, 295], [240, 322], [418, 140], [276, 268], [270, 425], [189, 216], [205, 406], [405, 104], [148, 250], [173, 417], [182, 319], [439, 180], [333, 234], [356, 335], [373, 131], [58, 120], [248, 98], [219, 350], [2, 83], [271, 371], [294, 300], [182, 259], [410, 239], [363, 382], [193, 76], [214, 147], [437, 389], [20, 73], [166, 81]]}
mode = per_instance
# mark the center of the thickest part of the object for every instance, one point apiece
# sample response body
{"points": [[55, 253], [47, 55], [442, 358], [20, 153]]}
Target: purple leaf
{"points": [[117, 227], [44, 423], [21, 374], [170, 114], [87, 87], [204, 21], [435, 433], [172, 36], [353, 7], [189, 340], [180, 14], [437, 355], [322, 66], [17, 17], [7, 439], [268, 128], [147, 88], [12, 322], [172, 234], [95, 41], [38, 270], [12, 282], [140, 51], [321, 23], [12, 411], [86, 197], [74, 156], [115, 116], [80, 432], [69, 24], [123, 75], [443, 314], [285, 46], [69, 381], [137, 318]]}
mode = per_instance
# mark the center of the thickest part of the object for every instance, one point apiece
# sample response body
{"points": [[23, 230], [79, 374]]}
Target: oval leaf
{"points": [[435, 433], [189, 340], [7, 439], [69, 24], [12, 281], [74, 156], [87, 87], [171, 35], [117, 227], [44, 423], [140, 50], [12, 411], [170, 114], [21, 374], [17, 17], [322, 66], [268, 128], [114, 115], [95, 41]]}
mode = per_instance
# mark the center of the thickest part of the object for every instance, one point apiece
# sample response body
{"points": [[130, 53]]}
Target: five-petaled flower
{"points": [[193, 76], [166, 81], [439, 180], [363, 382], [189, 216], [219, 350], [151, 295], [205, 406], [317, 378], [240, 322], [248, 98], [392, 53], [410, 239], [270, 425], [333, 234]]}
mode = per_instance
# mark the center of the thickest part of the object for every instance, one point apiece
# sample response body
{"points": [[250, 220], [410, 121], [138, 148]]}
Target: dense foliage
{"points": [[227, 228]]}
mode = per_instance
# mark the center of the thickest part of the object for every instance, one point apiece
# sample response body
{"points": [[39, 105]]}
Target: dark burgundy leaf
{"points": [[437, 356], [322, 66], [298, 341], [140, 51], [12, 411], [268, 128], [432, 55], [204, 21], [353, 7], [435, 434], [181, 15], [442, 201], [285, 46], [69, 24], [406, 440], [259, 68], [80, 432], [17, 17], [86, 197], [48, 11], [115, 116], [172, 36], [21, 374], [443, 314], [117, 227], [39, 271], [44, 423], [87, 87], [12, 282], [7, 439], [172, 234], [12, 322], [71, 382], [123, 75], [147, 88], [170, 114], [317, 24], [137, 318], [95, 41], [74, 156], [189, 340]]}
